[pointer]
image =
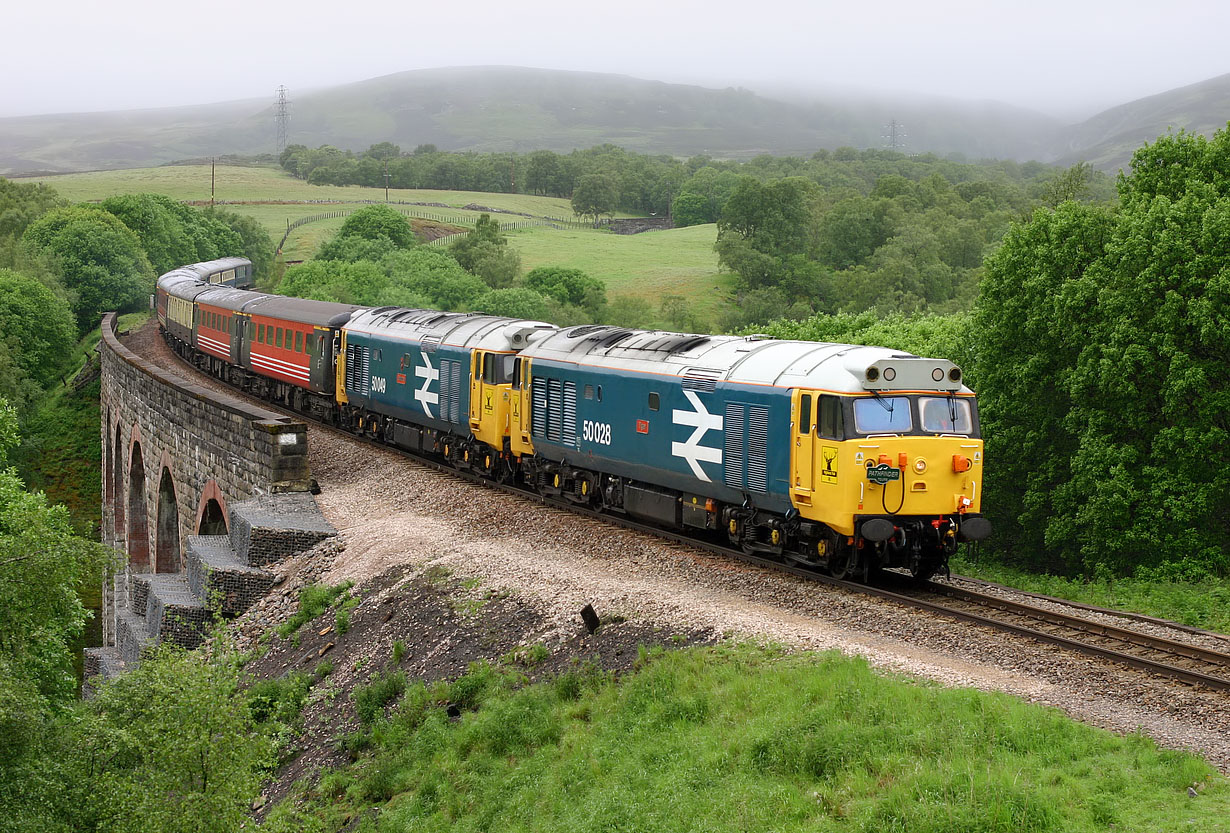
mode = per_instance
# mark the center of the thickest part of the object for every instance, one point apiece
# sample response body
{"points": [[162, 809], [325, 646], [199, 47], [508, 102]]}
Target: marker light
{"points": [[960, 463], [920, 465]]}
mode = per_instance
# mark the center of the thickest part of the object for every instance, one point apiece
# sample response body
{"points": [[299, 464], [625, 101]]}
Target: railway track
{"points": [[1154, 655]]}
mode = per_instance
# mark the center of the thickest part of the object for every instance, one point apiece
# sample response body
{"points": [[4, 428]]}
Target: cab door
{"points": [[519, 409], [803, 446], [490, 393]]}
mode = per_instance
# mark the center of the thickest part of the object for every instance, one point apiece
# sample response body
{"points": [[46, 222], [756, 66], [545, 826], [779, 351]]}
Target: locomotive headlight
{"points": [[889, 374], [920, 465], [937, 374]]}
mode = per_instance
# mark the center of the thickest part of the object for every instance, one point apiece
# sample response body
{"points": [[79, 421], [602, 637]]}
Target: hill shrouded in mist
{"points": [[520, 109]]}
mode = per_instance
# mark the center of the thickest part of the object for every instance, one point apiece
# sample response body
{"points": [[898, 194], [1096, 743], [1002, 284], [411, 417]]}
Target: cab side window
{"points": [[804, 420], [831, 424]]}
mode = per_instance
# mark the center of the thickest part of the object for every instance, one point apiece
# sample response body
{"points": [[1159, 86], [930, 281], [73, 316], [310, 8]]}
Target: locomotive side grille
{"points": [[555, 393], [733, 455], [758, 448], [538, 413], [570, 414], [358, 369], [701, 379], [454, 406], [446, 389]]}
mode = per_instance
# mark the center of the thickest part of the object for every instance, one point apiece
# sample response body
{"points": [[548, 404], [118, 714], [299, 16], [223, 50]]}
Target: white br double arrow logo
{"points": [[703, 421], [428, 374]]}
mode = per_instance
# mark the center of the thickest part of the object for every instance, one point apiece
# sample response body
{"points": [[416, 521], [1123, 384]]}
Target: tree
{"points": [[362, 282], [485, 252], [1033, 317], [351, 249], [38, 332], [171, 233], [595, 195], [690, 210], [374, 221], [1072, 184], [568, 286], [175, 744], [21, 205], [42, 563], [514, 303], [255, 243], [96, 257], [434, 276]]}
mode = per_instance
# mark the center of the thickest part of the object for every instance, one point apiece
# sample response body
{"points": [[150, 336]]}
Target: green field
{"points": [[245, 184], [650, 265], [276, 199]]}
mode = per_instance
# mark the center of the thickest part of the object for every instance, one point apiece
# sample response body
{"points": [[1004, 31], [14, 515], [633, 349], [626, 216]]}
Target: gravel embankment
{"points": [[393, 512]]}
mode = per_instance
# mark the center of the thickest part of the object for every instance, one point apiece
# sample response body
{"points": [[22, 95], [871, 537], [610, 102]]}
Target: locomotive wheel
{"points": [[841, 562]]}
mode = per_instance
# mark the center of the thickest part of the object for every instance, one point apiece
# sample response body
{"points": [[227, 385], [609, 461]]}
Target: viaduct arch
{"points": [[176, 458]]}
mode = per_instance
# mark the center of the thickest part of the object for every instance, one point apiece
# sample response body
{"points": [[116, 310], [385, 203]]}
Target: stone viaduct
{"points": [[200, 491]]}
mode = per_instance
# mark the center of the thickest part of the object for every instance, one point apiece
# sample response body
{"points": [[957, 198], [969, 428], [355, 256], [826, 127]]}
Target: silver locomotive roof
{"points": [[472, 330], [754, 360]]}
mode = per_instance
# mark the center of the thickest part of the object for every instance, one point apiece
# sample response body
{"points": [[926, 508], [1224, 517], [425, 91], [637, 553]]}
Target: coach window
{"points": [[804, 420], [298, 342], [277, 338], [308, 346], [655, 402], [260, 333], [830, 425]]}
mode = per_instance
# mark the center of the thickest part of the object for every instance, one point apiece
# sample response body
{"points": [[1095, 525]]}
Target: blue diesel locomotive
{"points": [[837, 456]]}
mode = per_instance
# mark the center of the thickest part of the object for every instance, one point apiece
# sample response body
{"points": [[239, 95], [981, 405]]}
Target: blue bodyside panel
{"points": [[429, 388], [727, 443]]}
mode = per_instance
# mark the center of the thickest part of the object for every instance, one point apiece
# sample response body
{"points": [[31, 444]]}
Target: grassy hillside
{"points": [[252, 184], [650, 265], [516, 108], [1108, 139], [738, 739], [276, 199]]}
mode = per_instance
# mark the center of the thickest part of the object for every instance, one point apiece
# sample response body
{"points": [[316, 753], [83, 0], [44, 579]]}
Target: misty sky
{"points": [[1068, 58]]}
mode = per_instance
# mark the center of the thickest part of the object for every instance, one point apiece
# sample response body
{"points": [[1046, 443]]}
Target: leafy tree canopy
{"points": [[96, 257], [1105, 339], [568, 286], [373, 222], [21, 204], [37, 328], [514, 303]]}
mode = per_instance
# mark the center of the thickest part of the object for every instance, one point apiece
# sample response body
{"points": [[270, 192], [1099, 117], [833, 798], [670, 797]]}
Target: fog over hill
{"points": [[521, 109]]}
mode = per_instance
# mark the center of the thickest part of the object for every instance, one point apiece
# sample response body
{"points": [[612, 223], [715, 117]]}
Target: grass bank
{"points": [[738, 739]]}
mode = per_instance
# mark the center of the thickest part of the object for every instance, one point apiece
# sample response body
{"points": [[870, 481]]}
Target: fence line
{"points": [[510, 225]]}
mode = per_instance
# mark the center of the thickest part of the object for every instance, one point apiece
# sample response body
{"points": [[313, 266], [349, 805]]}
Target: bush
{"points": [[314, 600], [370, 699]]}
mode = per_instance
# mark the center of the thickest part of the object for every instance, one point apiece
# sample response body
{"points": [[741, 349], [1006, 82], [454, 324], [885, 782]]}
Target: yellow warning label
{"points": [[828, 460]]}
